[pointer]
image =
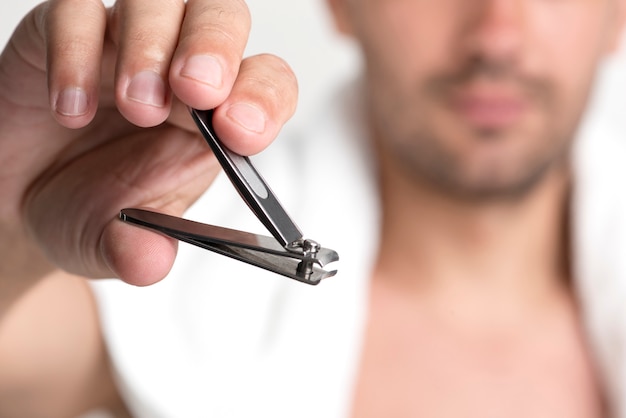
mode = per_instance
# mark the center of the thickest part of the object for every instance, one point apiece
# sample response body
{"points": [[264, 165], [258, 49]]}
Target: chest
{"points": [[413, 366]]}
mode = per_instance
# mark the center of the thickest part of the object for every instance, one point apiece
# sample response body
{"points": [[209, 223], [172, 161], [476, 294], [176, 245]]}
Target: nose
{"points": [[495, 28]]}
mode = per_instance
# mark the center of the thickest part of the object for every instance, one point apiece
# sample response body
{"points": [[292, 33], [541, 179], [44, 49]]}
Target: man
{"points": [[461, 302]]}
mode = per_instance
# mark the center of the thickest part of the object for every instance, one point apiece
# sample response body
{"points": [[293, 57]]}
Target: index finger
{"points": [[212, 41], [74, 32]]}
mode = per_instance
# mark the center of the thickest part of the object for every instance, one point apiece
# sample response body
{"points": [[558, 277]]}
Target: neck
{"points": [[432, 242]]}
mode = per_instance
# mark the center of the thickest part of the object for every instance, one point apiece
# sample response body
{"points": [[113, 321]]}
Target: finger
{"points": [[263, 98], [265, 84], [146, 32], [212, 41], [74, 32], [137, 256], [164, 169]]}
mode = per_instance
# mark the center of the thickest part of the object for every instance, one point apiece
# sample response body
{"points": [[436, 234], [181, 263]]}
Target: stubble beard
{"points": [[447, 174], [424, 154]]}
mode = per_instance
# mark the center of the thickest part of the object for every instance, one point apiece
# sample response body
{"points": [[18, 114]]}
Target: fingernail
{"points": [[247, 116], [71, 101], [147, 87], [205, 69]]}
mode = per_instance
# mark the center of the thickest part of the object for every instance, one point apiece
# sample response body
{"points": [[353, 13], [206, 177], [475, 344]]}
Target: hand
{"points": [[78, 86]]}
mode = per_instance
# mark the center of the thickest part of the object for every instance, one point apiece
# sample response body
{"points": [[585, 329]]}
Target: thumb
{"points": [[73, 214], [137, 256]]}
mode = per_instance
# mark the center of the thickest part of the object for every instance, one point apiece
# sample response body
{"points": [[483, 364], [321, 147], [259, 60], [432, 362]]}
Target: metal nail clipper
{"points": [[287, 253]]}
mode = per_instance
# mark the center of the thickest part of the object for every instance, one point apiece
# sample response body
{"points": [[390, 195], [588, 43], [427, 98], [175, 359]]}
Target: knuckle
{"points": [[232, 10], [271, 80], [277, 75], [227, 19], [218, 34], [68, 48], [56, 9], [149, 44], [143, 24], [276, 62], [55, 14], [64, 33]]}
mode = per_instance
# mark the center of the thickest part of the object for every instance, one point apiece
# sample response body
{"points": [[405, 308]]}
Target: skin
{"points": [[153, 43], [479, 98], [78, 86], [473, 108], [445, 93]]}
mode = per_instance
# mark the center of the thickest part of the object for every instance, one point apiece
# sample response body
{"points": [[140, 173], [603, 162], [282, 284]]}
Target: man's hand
{"points": [[78, 85]]}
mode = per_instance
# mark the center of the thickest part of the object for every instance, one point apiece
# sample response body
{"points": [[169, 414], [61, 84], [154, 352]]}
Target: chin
{"points": [[500, 181]]}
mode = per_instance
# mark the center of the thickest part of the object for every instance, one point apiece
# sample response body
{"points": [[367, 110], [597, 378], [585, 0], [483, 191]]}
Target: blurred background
{"points": [[301, 32]]}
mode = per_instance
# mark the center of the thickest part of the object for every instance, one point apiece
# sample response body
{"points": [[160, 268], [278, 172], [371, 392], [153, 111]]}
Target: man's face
{"points": [[479, 97]]}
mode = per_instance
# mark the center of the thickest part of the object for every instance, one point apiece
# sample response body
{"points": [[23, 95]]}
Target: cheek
{"points": [[568, 52], [403, 40], [404, 43]]}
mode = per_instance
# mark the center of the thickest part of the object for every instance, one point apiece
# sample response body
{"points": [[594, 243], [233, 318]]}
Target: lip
{"points": [[489, 110]]}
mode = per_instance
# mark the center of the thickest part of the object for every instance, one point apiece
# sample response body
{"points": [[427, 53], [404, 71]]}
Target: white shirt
{"points": [[220, 338]]}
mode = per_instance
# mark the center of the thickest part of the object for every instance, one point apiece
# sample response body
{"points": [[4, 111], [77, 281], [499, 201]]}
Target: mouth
{"points": [[488, 107]]}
